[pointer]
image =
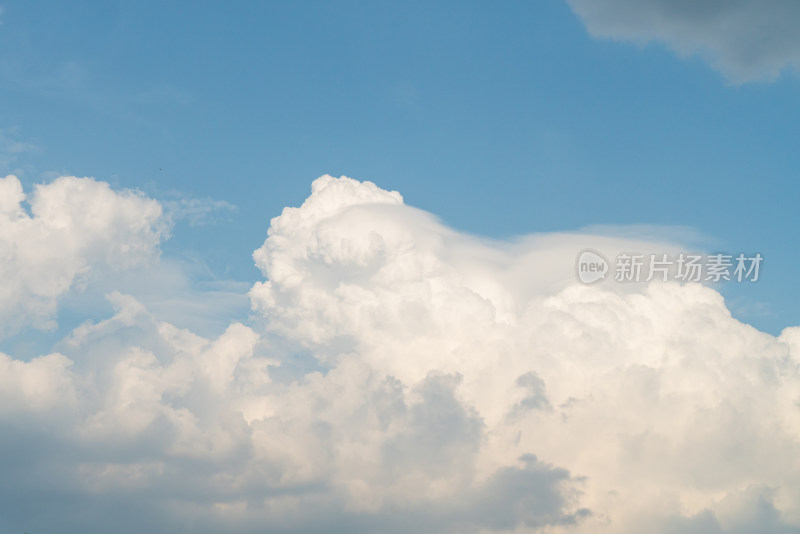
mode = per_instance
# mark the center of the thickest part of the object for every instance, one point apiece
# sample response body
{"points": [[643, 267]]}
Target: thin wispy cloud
{"points": [[198, 211], [12, 148]]}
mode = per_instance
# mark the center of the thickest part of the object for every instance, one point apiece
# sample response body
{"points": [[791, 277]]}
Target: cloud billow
{"points": [[458, 385], [76, 227]]}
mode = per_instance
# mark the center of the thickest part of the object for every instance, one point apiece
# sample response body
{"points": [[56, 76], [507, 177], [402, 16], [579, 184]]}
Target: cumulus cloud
{"points": [[658, 397], [75, 227], [449, 384], [135, 415], [746, 40]]}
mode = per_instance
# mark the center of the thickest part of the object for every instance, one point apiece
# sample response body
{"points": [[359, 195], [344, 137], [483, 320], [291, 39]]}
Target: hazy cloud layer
{"points": [[399, 376], [747, 40]]}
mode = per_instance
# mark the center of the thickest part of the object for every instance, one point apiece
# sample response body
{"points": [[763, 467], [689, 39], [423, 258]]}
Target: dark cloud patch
{"points": [[747, 40]]}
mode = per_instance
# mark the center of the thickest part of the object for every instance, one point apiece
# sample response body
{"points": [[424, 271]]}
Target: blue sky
{"points": [[310, 267], [500, 120]]}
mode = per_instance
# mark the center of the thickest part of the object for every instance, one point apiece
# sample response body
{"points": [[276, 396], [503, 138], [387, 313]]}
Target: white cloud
{"points": [[663, 401], [156, 412], [462, 385], [747, 40], [75, 226]]}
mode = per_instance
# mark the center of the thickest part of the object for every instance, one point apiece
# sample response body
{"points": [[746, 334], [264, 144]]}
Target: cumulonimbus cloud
{"points": [[747, 40], [401, 376]]}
